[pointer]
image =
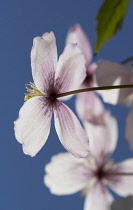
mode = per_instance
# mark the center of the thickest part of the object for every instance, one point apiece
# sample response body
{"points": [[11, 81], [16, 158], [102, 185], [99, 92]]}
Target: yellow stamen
{"points": [[32, 91]]}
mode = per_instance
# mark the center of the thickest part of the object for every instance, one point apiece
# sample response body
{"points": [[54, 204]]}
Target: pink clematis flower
{"points": [[88, 105], [50, 78], [109, 73], [94, 174]]}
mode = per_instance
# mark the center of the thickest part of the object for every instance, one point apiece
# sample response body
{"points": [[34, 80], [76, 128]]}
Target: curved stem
{"points": [[93, 89]]}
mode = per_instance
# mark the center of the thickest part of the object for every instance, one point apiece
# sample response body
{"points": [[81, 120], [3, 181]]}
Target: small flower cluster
{"points": [[88, 167]]}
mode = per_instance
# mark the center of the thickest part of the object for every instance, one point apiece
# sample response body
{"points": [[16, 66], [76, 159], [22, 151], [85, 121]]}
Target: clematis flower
{"points": [[94, 174], [88, 105], [109, 73], [50, 78]]}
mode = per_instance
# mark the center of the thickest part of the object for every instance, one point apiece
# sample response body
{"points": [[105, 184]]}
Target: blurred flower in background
{"points": [[110, 73], [88, 105], [94, 174]]}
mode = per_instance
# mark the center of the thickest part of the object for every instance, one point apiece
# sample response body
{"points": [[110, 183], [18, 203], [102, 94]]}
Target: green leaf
{"points": [[110, 18]]}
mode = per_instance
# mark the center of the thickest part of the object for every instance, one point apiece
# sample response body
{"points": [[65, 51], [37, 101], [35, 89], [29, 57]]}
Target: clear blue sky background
{"points": [[21, 177]]}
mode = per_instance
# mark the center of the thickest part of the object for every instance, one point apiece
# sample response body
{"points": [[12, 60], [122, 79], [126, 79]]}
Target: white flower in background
{"points": [[50, 78], [94, 174], [88, 105], [109, 73]]}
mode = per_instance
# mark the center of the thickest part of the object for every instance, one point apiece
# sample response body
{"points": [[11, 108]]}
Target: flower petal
{"points": [[109, 73], [71, 69], [66, 175], [129, 128], [69, 131], [111, 96], [44, 61], [92, 68], [90, 108], [98, 198], [124, 184], [33, 124], [76, 35], [103, 138]]}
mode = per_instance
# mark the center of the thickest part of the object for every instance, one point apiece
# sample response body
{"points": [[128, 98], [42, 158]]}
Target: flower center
{"points": [[32, 91], [100, 173]]}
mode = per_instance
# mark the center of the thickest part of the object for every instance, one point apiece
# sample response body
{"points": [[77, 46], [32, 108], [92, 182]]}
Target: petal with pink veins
{"points": [[77, 36], [69, 130], [66, 175], [33, 124], [71, 71], [123, 185], [90, 108], [44, 61], [103, 138], [129, 128], [98, 198]]}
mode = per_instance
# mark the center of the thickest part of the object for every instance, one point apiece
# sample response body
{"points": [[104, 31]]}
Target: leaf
{"points": [[110, 18]]}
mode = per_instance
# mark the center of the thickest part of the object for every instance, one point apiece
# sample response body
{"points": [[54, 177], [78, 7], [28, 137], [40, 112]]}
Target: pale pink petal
{"points": [[98, 198], [109, 73], [123, 185], [92, 68], [66, 174], [90, 108], [33, 124], [44, 61], [71, 70], [103, 138], [69, 131], [90, 80], [123, 204], [77, 35], [126, 95], [129, 128], [111, 96]]}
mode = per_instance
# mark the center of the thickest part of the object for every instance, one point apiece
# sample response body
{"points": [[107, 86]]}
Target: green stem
{"points": [[93, 89]]}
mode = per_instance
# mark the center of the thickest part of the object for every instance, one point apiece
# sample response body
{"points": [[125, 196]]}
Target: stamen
{"points": [[32, 91]]}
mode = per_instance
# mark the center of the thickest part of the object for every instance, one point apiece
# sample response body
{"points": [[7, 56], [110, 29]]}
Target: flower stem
{"points": [[93, 89], [120, 174], [127, 60]]}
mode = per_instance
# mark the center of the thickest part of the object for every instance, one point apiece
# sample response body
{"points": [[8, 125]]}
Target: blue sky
{"points": [[21, 177]]}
